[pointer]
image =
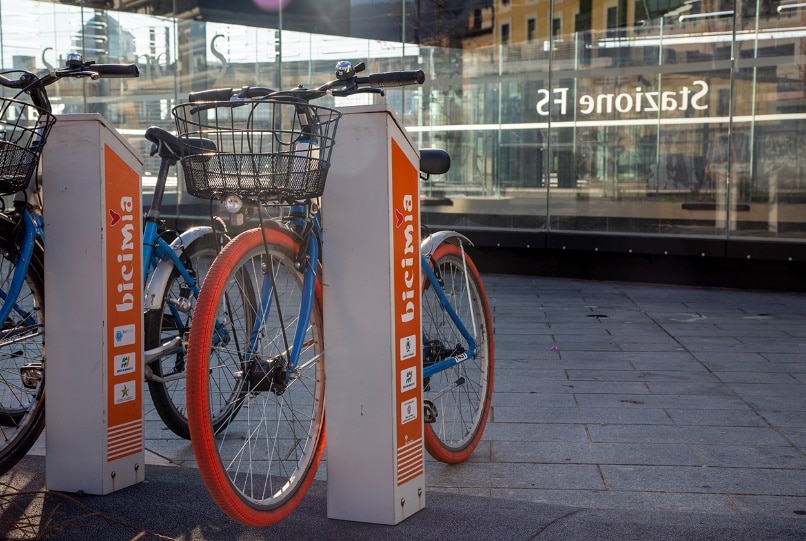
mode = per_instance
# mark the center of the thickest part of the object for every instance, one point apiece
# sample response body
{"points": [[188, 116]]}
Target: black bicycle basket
{"points": [[267, 149], [24, 129]]}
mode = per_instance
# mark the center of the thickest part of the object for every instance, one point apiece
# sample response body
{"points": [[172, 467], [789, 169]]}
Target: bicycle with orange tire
{"points": [[256, 340]]}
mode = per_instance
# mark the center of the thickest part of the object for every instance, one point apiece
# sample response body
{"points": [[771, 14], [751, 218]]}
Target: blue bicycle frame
{"points": [[155, 249], [308, 293], [446, 305], [32, 226]]}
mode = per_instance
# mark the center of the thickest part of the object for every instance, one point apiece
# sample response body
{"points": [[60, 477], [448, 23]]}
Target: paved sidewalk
{"points": [[629, 396], [626, 410]]}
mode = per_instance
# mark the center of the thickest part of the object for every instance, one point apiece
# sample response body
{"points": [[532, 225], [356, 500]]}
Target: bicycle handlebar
{"points": [[120, 71], [34, 86], [15, 83], [395, 78], [213, 94], [344, 86]]}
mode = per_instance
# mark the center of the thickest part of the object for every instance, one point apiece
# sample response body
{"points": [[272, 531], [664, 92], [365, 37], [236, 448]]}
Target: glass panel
{"points": [[662, 117], [105, 37], [482, 110], [637, 105], [769, 156]]}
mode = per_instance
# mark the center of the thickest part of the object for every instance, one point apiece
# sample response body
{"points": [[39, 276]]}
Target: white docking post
{"points": [[372, 334]]}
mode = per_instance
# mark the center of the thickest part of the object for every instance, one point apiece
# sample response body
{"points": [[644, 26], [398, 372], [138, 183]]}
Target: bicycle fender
{"points": [[158, 281], [431, 242]]}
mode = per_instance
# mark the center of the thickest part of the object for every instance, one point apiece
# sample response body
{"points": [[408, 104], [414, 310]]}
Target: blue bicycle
{"points": [[24, 127], [173, 269], [255, 352]]}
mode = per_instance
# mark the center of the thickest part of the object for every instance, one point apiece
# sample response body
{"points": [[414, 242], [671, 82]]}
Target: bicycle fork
{"points": [[278, 373]]}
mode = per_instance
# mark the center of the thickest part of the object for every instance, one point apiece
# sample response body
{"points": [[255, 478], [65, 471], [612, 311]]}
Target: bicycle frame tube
{"points": [[308, 294], [149, 238], [163, 251], [39, 225], [155, 251], [446, 305], [163, 262], [21, 266]]}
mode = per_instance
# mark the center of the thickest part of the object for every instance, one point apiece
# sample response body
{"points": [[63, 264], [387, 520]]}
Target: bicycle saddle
{"points": [[434, 161], [170, 146]]}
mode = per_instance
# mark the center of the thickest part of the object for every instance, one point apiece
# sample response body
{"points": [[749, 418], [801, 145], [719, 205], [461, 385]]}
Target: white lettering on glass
{"points": [[638, 101]]}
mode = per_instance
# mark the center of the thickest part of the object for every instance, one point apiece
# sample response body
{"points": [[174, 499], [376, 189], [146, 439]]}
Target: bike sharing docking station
{"points": [[372, 321], [94, 316]]}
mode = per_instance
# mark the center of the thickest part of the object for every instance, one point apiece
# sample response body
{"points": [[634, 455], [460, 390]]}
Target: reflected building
{"points": [[654, 127]]}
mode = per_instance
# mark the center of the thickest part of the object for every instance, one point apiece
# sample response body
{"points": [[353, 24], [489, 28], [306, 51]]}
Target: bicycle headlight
{"points": [[233, 203]]}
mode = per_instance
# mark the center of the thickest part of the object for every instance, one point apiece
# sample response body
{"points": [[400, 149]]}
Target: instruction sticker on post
{"points": [[407, 326], [408, 347]]}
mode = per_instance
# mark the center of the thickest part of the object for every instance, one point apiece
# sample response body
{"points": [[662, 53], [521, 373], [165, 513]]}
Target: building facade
{"points": [[649, 126]]}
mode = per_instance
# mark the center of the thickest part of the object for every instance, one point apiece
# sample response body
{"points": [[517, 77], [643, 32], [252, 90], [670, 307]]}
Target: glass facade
{"points": [[664, 119]]}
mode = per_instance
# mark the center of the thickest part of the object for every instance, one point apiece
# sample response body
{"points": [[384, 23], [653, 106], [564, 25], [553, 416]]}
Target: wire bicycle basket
{"points": [[24, 129], [270, 149]]}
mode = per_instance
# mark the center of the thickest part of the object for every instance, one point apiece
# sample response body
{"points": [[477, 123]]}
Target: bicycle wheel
{"points": [[171, 320], [258, 466], [22, 354], [461, 394]]}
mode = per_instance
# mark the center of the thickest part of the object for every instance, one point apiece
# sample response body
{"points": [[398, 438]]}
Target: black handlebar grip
{"points": [[212, 94], [114, 70], [397, 78], [4, 81]]}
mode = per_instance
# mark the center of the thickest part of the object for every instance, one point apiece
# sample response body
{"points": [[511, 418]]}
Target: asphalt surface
{"points": [[621, 411]]}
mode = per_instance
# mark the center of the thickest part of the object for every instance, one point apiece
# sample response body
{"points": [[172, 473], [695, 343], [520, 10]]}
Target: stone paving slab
{"points": [[749, 456], [719, 480], [706, 435], [684, 394], [564, 452]]}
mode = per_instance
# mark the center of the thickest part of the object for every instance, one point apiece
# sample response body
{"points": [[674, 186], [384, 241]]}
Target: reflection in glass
{"points": [[674, 117]]}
